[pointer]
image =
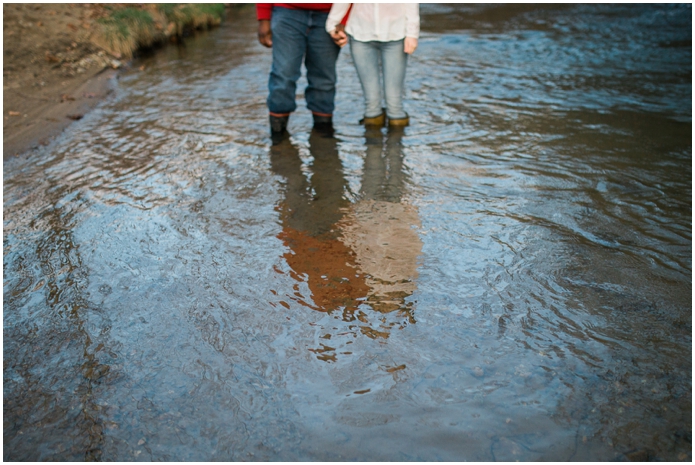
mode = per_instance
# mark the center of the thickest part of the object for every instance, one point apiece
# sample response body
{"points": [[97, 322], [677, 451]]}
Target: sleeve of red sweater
{"points": [[264, 10]]}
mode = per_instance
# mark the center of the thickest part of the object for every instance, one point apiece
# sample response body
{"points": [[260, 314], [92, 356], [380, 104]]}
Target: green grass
{"points": [[125, 30]]}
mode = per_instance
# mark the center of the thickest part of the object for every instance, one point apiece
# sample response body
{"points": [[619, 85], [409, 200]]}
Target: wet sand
{"points": [[45, 118]]}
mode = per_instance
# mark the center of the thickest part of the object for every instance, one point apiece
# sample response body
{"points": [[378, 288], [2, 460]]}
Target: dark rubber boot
{"points": [[278, 124], [323, 124], [278, 128]]}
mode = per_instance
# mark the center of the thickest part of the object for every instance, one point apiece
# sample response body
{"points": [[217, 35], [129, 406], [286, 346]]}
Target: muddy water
{"points": [[507, 279]]}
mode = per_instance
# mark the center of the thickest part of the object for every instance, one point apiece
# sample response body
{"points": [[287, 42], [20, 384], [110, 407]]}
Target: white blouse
{"points": [[382, 22]]}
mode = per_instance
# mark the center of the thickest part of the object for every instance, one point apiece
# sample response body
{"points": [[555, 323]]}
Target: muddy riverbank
{"points": [[57, 65], [44, 87]]}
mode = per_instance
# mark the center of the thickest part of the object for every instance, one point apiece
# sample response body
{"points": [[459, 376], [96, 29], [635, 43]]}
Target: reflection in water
{"points": [[360, 258], [59, 335], [379, 227], [309, 214]]}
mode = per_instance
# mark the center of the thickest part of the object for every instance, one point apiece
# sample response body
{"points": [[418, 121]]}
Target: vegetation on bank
{"points": [[128, 27]]}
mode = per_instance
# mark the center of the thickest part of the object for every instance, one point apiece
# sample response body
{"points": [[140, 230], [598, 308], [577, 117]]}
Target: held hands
{"points": [[338, 35], [409, 45], [265, 35]]}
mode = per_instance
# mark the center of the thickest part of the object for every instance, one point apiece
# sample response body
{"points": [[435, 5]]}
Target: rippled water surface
{"points": [[507, 279]]}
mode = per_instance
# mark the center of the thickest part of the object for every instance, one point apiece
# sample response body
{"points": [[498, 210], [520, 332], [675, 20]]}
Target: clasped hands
{"points": [[340, 38], [338, 35], [265, 37]]}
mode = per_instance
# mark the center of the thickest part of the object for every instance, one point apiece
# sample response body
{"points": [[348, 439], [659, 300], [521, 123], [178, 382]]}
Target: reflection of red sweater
{"points": [[265, 10]]}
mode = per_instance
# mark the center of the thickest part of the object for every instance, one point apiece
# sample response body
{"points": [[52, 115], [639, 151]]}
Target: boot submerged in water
{"points": [[323, 124], [278, 126], [399, 122], [375, 121]]}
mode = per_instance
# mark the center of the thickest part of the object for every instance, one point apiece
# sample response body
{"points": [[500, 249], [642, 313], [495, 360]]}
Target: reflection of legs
{"points": [[394, 61], [382, 175], [365, 55], [394, 157], [374, 169], [380, 230], [309, 213], [313, 206], [327, 181], [335, 282], [285, 161]]}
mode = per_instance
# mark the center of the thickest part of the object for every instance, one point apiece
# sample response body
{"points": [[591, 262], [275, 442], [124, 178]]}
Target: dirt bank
{"points": [[57, 63], [52, 73]]}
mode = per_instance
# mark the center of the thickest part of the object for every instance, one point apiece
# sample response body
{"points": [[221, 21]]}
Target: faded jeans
{"points": [[300, 35], [366, 56]]}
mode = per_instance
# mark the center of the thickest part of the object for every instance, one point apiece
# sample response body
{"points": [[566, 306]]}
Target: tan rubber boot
{"points": [[399, 122], [379, 121]]}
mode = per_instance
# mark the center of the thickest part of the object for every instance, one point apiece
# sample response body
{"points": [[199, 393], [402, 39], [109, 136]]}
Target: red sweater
{"points": [[265, 10]]}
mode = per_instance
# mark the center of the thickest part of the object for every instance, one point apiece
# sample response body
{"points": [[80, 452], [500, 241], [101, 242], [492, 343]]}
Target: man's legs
{"points": [[322, 54], [289, 44]]}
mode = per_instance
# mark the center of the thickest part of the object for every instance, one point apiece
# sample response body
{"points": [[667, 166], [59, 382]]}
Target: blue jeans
{"points": [[301, 35], [366, 56]]}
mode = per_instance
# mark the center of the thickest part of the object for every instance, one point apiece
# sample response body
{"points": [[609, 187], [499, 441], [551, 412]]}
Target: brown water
{"points": [[507, 279]]}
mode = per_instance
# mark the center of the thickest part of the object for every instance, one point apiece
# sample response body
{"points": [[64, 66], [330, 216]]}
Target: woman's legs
{"points": [[365, 55], [394, 61]]}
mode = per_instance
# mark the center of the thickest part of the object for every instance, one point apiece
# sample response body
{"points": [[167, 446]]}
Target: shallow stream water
{"points": [[509, 278]]}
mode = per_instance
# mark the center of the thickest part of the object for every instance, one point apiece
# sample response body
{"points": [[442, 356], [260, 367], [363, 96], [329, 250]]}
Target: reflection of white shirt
{"points": [[382, 22]]}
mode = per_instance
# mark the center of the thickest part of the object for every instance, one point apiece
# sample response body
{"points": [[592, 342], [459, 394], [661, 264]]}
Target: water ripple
{"points": [[508, 279]]}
